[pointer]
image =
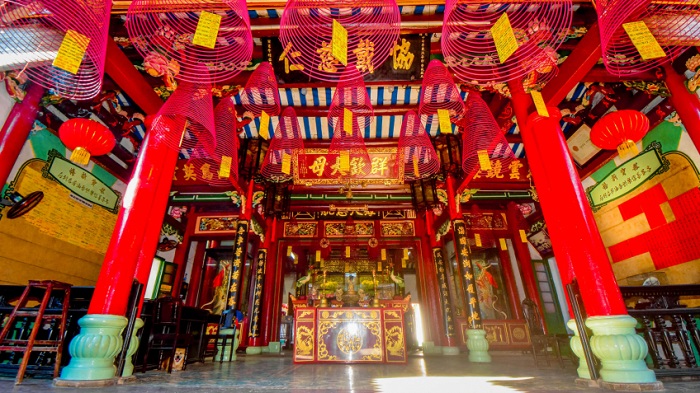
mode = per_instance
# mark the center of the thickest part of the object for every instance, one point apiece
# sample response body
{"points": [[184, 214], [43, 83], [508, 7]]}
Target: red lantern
{"points": [[620, 130], [86, 137]]}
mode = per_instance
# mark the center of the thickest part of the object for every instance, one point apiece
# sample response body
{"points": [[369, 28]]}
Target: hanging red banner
{"points": [[317, 166]]}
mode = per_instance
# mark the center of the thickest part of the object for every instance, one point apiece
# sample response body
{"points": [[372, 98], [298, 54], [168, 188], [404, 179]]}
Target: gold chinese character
{"points": [[364, 54], [514, 167], [337, 168], [206, 173], [189, 172], [468, 276], [472, 301], [379, 166], [470, 288], [403, 59], [357, 165], [495, 171], [287, 66], [463, 241], [328, 62], [460, 231], [318, 166]]}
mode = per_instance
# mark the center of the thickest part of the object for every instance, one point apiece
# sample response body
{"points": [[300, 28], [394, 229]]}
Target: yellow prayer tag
{"points": [[383, 256], [504, 246], [225, 167], [523, 236], [207, 30], [286, 163], [539, 103], [71, 52], [403, 263], [264, 130], [643, 40], [484, 160], [339, 43], [347, 121], [379, 266], [444, 119], [416, 170], [289, 251], [344, 161], [405, 252], [347, 251], [504, 38], [318, 255], [477, 239]]}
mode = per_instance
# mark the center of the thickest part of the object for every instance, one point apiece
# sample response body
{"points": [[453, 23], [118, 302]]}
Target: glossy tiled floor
{"points": [[507, 373]]}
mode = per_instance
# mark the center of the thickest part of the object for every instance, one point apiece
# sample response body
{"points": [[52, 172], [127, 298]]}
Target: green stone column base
{"points": [[620, 349], [577, 348], [133, 347], [253, 350], [478, 346], [94, 349], [450, 351], [274, 347]]}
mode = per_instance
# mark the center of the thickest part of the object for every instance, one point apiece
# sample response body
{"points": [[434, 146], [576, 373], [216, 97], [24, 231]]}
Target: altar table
{"points": [[349, 335]]}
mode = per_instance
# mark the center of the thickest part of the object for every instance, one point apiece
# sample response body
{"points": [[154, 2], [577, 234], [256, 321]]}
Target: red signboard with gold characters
{"points": [[317, 166]]}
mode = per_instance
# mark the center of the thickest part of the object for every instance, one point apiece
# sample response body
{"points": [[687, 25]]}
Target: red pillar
{"points": [[686, 103], [432, 314], [269, 283], [153, 226], [522, 254], [569, 216], [16, 130], [114, 283]]}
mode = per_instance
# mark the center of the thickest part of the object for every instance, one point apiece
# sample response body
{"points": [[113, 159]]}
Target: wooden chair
{"points": [[541, 342], [165, 334]]}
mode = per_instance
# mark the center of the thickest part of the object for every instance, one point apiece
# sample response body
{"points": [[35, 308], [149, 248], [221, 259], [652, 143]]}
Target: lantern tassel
{"points": [[626, 148], [80, 156]]}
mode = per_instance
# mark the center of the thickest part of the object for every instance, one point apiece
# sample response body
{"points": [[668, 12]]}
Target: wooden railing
{"points": [[668, 325]]}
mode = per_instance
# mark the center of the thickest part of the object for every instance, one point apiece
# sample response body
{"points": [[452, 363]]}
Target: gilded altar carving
{"points": [[304, 342], [395, 341]]}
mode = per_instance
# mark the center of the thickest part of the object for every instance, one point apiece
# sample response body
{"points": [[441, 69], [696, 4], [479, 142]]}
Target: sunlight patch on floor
{"points": [[445, 384]]}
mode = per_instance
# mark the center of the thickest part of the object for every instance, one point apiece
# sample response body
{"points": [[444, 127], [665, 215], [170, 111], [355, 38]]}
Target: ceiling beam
{"points": [[575, 67], [130, 80]]}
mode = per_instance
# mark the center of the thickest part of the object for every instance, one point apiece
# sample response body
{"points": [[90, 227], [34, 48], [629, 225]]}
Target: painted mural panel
{"points": [[651, 226]]}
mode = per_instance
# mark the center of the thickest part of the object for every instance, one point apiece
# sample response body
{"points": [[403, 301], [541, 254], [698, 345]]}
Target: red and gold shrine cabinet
{"points": [[349, 335]]}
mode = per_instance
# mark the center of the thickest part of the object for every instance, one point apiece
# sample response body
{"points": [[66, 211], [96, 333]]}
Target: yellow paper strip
{"points": [[643, 40], [416, 170], [286, 163], [405, 252], [383, 255], [444, 121], [264, 130], [225, 167], [523, 236], [318, 255], [403, 263], [71, 52], [344, 161], [504, 38], [539, 103], [347, 121], [477, 239], [339, 43], [504, 246], [207, 30], [484, 160], [379, 266], [347, 251]]}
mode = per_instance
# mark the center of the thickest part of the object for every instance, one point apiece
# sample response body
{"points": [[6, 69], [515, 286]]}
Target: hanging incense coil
{"points": [[261, 92], [674, 25], [539, 28], [416, 152], [483, 141], [352, 95], [32, 36], [284, 145], [218, 166], [306, 32], [169, 31]]}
